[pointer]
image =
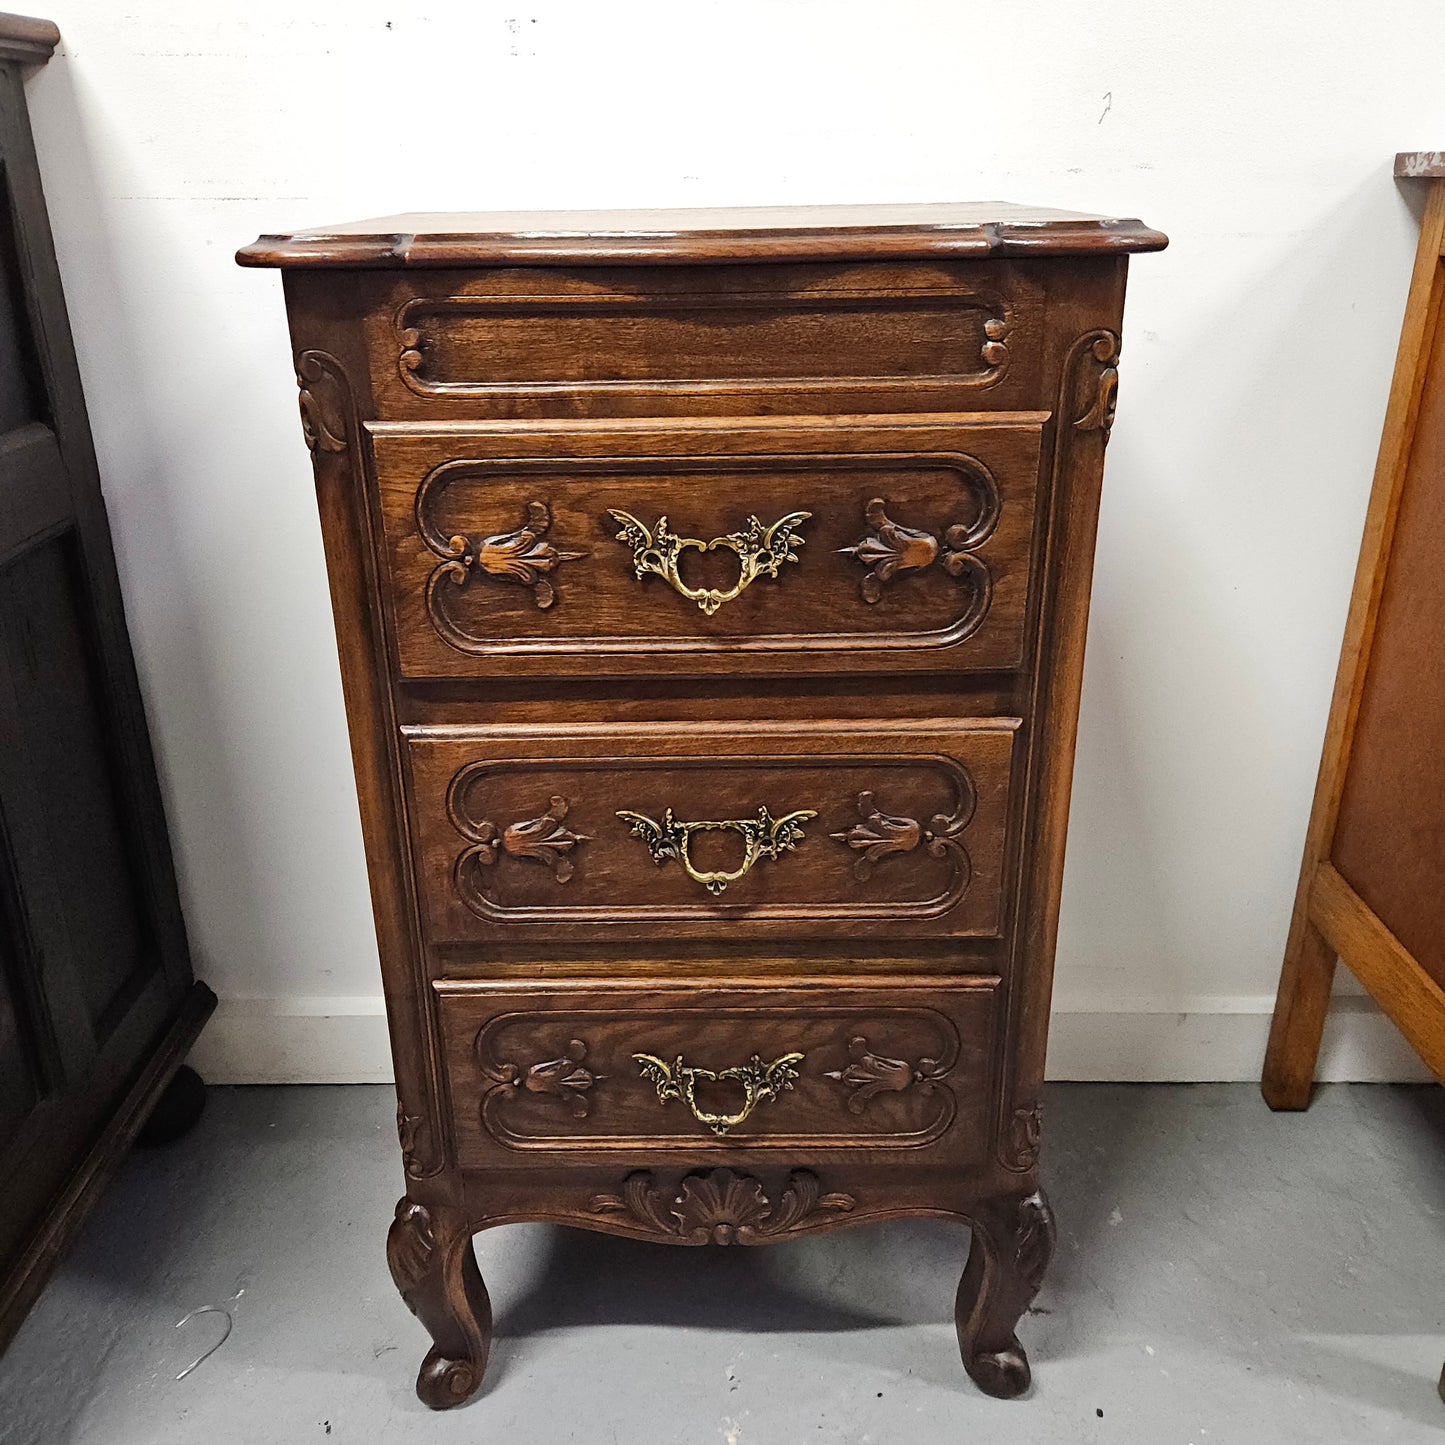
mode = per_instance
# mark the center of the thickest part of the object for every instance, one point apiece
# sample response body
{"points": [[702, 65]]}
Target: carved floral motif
{"points": [[564, 1078], [891, 548], [543, 839], [880, 834], [522, 556], [720, 1206], [869, 1074]]}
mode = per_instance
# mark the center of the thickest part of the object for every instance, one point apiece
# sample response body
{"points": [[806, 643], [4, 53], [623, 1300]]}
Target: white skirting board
{"points": [[1196, 1040]]}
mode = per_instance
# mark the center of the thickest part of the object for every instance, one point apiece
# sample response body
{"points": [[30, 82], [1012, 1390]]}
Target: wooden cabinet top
{"points": [[750, 233]]}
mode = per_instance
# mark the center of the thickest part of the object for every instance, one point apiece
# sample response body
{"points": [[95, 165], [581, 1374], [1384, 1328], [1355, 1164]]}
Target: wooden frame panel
{"points": [[1330, 920]]}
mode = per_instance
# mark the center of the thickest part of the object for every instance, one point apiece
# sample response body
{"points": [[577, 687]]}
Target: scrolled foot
{"points": [[1002, 1374], [429, 1250], [1013, 1241], [442, 1383]]}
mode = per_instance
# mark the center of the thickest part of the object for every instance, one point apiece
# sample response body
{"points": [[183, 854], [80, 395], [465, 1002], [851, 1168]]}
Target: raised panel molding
{"points": [[427, 327], [471, 559], [538, 1073], [483, 894]]}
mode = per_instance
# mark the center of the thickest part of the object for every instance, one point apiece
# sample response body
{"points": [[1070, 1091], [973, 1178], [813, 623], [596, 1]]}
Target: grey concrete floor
{"points": [[1224, 1276]]}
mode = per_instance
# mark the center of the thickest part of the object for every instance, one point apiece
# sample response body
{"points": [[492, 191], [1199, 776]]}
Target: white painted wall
{"points": [[1257, 358]]}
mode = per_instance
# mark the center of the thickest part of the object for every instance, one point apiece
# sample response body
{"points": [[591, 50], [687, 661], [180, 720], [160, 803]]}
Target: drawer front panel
{"points": [[721, 832], [697, 549], [754, 339], [538, 1073]]}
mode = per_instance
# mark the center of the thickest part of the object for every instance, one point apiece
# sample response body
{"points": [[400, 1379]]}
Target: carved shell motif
{"points": [[720, 1206]]}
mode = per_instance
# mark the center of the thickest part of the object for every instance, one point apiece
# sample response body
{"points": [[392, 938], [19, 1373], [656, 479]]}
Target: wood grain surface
{"points": [[761, 233], [1376, 820]]}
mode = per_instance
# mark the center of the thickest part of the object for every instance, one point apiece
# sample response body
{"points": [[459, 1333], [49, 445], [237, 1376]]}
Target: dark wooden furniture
{"points": [[97, 1003], [1372, 883], [710, 590]]}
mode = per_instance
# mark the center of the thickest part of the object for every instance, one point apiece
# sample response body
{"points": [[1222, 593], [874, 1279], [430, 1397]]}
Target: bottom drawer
{"points": [[545, 1073]]}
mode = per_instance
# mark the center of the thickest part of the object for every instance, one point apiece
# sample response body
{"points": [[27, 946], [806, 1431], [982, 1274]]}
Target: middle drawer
{"points": [[719, 831]]}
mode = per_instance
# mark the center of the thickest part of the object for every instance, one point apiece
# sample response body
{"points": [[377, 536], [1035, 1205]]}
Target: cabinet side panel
{"points": [[1086, 303], [331, 371]]}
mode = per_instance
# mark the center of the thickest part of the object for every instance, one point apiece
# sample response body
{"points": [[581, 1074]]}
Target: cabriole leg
{"points": [[1013, 1241], [429, 1249]]}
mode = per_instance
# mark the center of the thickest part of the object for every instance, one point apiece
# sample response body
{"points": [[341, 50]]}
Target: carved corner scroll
{"points": [[868, 1074], [1020, 1149], [325, 400], [882, 835], [563, 1078], [890, 549], [411, 1133], [1101, 397], [720, 1206], [994, 351], [543, 839]]}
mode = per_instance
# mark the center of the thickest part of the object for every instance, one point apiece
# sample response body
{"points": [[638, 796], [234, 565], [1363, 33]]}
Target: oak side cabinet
{"points": [[710, 589]]}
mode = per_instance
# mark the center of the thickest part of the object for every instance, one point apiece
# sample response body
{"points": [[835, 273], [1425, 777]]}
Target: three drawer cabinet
{"points": [[710, 590]]}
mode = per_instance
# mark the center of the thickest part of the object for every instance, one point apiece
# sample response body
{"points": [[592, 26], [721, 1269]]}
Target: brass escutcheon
{"points": [[760, 551], [763, 837], [760, 1082]]}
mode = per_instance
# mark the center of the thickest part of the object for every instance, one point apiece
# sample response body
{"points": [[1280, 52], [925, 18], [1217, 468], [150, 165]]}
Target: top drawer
{"points": [[703, 340], [842, 545]]}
